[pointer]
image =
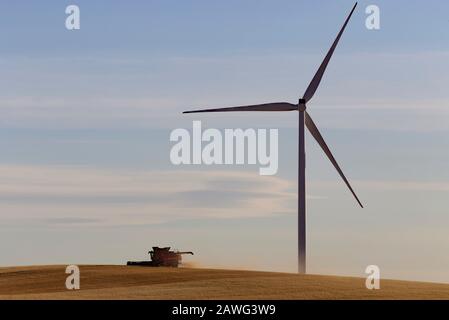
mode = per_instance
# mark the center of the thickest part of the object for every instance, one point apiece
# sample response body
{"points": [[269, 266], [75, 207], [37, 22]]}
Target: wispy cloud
{"points": [[158, 88], [85, 195], [384, 185]]}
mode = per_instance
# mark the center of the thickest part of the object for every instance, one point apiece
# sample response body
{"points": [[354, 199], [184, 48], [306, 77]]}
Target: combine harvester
{"points": [[161, 257]]}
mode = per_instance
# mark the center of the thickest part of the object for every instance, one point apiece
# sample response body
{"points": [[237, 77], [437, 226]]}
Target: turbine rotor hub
{"points": [[302, 105]]}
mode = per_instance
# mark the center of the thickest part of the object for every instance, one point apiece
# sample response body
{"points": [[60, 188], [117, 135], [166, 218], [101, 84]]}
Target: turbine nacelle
{"points": [[302, 105]]}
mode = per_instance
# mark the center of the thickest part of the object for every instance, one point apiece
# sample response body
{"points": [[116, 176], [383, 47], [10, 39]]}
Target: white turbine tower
{"points": [[304, 120]]}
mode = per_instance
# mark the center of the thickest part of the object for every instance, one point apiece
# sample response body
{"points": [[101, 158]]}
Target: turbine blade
{"points": [[313, 86], [277, 106], [319, 138]]}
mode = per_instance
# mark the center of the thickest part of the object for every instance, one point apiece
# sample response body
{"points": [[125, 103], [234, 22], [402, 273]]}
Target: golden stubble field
{"points": [[122, 282]]}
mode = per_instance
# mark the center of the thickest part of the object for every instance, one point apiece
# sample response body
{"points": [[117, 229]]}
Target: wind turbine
{"points": [[304, 120]]}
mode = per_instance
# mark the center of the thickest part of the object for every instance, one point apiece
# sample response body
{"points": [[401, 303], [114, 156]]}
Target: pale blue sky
{"points": [[85, 119]]}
